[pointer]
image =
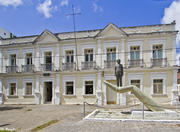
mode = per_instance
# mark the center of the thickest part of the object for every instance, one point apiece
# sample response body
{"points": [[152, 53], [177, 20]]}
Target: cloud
{"points": [[173, 13], [10, 2], [46, 8], [64, 3], [96, 7]]}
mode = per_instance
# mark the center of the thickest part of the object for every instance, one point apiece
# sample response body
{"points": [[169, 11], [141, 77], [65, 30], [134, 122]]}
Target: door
{"points": [[48, 92]]}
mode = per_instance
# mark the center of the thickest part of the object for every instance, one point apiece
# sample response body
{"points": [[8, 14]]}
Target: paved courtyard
{"points": [[26, 117]]}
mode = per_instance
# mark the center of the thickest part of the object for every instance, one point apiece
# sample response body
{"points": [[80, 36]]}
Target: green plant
{"points": [[44, 125]]}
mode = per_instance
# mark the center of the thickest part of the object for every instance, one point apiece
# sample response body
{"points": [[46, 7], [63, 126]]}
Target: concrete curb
{"points": [[131, 120]]}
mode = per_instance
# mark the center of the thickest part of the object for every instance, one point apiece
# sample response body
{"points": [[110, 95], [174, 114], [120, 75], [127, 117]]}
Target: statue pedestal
{"points": [[1, 98], [99, 98], [175, 97], [37, 97], [57, 100]]}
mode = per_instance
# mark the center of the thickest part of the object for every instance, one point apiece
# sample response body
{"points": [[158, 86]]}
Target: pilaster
{"points": [[57, 91], [37, 91], [37, 64], [57, 57], [174, 51], [1, 92], [99, 89], [1, 64], [99, 50], [122, 52], [175, 89]]}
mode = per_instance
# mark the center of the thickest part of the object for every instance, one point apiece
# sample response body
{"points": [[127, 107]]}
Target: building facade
{"points": [[51, 68]]}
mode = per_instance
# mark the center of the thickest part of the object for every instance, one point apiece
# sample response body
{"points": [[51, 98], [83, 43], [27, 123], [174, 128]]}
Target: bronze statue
{"points": [[119, 72]]}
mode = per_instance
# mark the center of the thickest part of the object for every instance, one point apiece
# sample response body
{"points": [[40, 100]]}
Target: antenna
{"points": [[73, 14]]}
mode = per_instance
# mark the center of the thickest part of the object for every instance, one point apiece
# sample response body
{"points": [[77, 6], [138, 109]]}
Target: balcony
{"points": [[11, 69], [69, 66], [27, 68], [161, 62], [47, 67], [135, 63], [88, 65], [109, 64]]}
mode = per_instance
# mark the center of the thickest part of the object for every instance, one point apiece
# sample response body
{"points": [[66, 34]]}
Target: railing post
{"points": [[84, 109], [143, 111]]}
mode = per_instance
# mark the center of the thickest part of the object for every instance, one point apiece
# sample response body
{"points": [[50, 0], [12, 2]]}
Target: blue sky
{"points": [[29, 17], [25, 19]]}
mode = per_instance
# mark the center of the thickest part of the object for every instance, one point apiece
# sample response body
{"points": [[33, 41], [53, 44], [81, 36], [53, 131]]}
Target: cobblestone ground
{"points": [[26, 117]]}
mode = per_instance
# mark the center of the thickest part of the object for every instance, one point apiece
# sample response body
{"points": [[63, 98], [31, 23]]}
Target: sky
{"points": [[32, 17]]}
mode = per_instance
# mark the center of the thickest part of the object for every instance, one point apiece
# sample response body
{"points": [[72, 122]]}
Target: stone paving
{"points": [[26, 117]]}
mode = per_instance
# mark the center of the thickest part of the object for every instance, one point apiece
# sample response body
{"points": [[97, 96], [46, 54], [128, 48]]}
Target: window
{"points": [[111, 54], [135, 83], [12, 90], [13, 60], [88, 55], [158, 86], [69, 88], [48, 57], [134, 52], [88, 87], [157, 51], [69, 56], [29, 59], [28, 90]]}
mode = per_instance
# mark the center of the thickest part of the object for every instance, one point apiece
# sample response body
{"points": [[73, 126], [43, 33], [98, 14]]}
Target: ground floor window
{"points": [[158, 86], [88, 87], [135, 83], [70, 88], [12, 90], [28, 90]]}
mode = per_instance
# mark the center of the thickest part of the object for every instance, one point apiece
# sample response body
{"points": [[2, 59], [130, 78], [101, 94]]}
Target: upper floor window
{"points": [[88, 55], [13, 60], [48, 57], [12, 90], [158, 86], [157, 51], [29, 59], [134, 52], [111, 54], [69, 56]]}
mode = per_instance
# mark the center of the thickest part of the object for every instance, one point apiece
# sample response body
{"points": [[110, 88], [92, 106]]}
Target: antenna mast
{"points": [[73, 14]]}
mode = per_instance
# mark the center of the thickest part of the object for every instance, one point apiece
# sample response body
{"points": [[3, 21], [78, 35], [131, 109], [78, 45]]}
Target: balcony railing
{"points": [[109, 64], [69, 66], [135, 63], [47, 67], [11, 69], [162, 62], [27, 68], [88, 65]]}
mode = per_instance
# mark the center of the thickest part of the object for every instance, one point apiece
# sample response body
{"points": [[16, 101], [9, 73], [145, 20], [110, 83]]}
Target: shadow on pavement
{"points": [[4, 125], [9, 108]]}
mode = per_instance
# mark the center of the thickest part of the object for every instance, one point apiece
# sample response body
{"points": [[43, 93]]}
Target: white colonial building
{"points": [[51, 68]]}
